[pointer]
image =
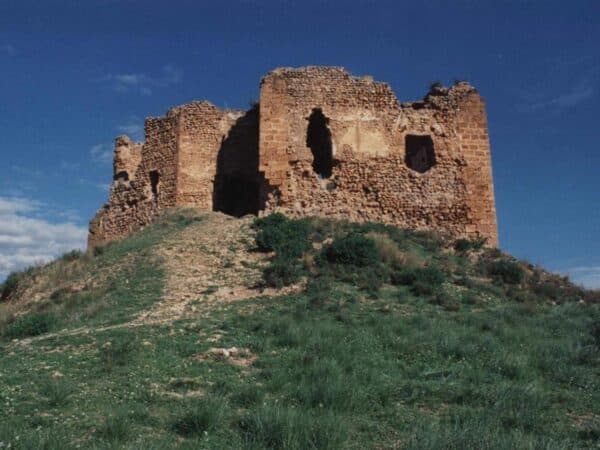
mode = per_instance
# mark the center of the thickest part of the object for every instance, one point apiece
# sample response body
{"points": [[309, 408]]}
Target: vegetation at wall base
{"points": [[383, 338]]}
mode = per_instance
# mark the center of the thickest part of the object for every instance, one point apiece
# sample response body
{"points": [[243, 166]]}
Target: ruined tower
{"points": [[319, 142]]}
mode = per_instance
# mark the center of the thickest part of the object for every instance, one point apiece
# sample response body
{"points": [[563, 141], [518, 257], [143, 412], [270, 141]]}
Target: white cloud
{"points": [[143, 83], [102, 153], [17, 206], [587, 276], [575, 96], [8, 49], [26, 240]]}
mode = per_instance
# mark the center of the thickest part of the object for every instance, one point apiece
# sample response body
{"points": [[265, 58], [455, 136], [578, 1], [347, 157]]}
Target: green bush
{"points": [[276, 427], [10, 285], [466, 245], [368, 279], [405, 276], [286, 237], [247, 395], [318, 292], [509, 272], [118, 351], [57, 391], [30, 325], [353, 249], [199, 417], [423, 281], [445, 300], [73, 255], [422, 289], [282, 272], [116, 427], [595, 331]]}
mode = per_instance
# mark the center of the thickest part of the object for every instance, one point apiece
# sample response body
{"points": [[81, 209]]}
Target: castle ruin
{"points": [[319, 142]]}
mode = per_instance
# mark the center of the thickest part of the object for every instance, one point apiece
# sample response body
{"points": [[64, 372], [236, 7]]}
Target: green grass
{"points": [[30, 325], [357, 359], [129, 280]]}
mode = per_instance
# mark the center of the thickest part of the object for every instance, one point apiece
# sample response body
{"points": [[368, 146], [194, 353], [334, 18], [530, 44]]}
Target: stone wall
{"points": [[189, 158], [136, 199], [371, 178], [322, 142]]}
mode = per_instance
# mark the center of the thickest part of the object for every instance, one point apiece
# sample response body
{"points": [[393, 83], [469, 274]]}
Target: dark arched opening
{"points": [[236, 195], [318, 139], [123, 175], [420, 155], [154, 181], [238, 183]]}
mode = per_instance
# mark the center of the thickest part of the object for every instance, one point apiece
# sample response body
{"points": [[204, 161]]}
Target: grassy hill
{"points": [[204, 331]]}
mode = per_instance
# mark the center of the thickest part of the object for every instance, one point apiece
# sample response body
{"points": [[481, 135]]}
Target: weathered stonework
{"points": [[320, 142]]}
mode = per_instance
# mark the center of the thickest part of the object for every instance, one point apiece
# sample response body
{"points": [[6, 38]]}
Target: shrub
{"points": [[7, 315], [279, 427], [247, 395], [10, 285], [590, 431], [388, 250], [115, 428], [471, 298], [585, 354], [318, 292], [30, 325], [289, 238], [421, 288], [509, 272], [282, 271], [353, 249], [405, 276], [118, 351], [430, 241], [446, 301], [370, 280], [423, 281], [73, 255], [521, 295], [202, 416], [595, 331], [57, 391], [557, 288], [466, 245]]}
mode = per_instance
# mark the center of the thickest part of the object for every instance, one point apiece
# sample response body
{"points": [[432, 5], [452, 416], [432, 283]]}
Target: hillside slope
{"points": [[204, 331]]}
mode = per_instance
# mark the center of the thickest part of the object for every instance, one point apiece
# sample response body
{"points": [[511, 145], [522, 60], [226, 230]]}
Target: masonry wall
{"points": [[201, 130], [134, 202], [190, 153], [370, 178], [421, 165]]}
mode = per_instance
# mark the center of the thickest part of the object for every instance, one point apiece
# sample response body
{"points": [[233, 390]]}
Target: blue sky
{"points": [[74, 74]]}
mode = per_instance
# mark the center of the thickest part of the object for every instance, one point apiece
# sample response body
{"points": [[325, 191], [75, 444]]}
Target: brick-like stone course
{"points": [[259, 161]]}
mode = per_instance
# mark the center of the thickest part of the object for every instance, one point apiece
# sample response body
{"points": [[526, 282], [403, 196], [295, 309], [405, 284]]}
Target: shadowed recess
{"points": [[420, 155], [318, 139]]}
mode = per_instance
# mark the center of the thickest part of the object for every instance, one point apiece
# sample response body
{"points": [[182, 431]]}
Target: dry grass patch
{"points": [[393, 255], [241, 357]]}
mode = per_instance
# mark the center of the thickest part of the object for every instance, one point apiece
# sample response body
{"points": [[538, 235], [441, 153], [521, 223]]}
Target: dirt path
{"points": [[208, 262]]}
